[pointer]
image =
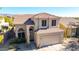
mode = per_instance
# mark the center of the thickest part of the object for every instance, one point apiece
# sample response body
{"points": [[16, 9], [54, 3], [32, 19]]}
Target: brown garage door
{"points": [[49, 40]]}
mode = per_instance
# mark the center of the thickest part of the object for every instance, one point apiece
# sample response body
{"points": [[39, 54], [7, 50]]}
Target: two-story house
{"points": [[30, 26]]}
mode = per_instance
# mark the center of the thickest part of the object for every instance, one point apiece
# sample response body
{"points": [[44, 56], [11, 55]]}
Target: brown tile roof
{"points": [[44, 15], [20, 19]]}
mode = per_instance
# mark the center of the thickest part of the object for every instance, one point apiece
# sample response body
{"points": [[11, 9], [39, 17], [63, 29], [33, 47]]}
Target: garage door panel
{"points": [[48, 40]]}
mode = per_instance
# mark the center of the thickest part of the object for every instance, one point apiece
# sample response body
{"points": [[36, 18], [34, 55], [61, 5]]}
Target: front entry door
{"points": [[21, 37], [31, 34]]}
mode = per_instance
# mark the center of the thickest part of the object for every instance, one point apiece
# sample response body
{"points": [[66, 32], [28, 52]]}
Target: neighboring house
{"points": [[68, 24], [30, 26]]}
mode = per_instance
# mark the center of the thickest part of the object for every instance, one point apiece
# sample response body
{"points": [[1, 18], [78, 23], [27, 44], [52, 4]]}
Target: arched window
{"points": [[21, 33], [20, 30]]}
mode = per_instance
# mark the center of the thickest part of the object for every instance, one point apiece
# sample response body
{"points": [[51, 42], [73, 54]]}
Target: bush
{"points": [[1, 38], [17, 41], [9, 20]]}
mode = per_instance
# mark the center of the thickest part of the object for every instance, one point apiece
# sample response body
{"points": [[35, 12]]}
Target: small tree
{"points": [[9, 20], [1, 38]]}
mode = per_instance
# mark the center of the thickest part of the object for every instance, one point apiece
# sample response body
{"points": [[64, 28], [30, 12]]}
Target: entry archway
{"points": [[31, 32], [21, 35]]}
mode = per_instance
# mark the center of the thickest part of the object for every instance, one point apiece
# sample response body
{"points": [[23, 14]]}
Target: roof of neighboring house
{"points": [[67, 20], [21, 19]]}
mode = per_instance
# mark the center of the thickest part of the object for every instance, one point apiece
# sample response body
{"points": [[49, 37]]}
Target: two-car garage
{"points": [[48, 37]]}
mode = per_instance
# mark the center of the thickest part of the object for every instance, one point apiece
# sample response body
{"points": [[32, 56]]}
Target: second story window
{"points": [[44, 22], [53, 22]]}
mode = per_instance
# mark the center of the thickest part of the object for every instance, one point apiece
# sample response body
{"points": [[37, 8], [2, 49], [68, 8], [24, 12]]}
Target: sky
{"points": [[59, 11]]}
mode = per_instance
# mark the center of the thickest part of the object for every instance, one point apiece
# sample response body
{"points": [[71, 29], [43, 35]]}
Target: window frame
{"points": [[44, 23], [53, 23]]}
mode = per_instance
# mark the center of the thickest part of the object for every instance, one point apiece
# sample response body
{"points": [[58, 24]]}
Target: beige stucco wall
{"points": [[38, 23], [50, 23]]}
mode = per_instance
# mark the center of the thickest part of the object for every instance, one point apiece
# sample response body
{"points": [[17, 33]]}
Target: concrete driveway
{"points": [[57, 47], [25, 47], [31, 47]]}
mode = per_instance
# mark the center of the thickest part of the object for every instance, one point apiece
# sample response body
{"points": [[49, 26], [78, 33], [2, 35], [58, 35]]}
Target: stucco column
{"points": [[37, 40], [28, 35], [16, 33]]}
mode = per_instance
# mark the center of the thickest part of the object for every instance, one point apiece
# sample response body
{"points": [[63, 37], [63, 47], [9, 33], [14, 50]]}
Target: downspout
{"points": [[38, 23], [48, 22]]}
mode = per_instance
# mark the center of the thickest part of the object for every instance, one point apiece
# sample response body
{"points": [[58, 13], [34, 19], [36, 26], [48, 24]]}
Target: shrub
{"points": [[17, 41], [1, 38], [66, 30], [9, 20]]}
